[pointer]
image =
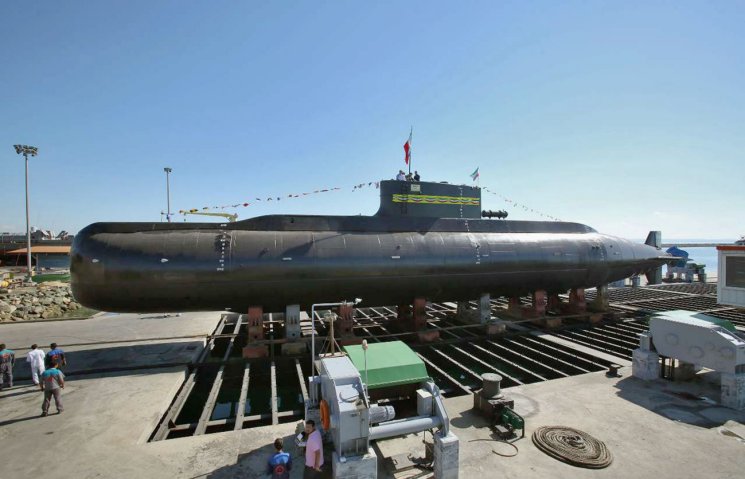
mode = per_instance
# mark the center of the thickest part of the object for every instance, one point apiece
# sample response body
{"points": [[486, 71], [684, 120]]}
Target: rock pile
{"points": [[39, 302]]}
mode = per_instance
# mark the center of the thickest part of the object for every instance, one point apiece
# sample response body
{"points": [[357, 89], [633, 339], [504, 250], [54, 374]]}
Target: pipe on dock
{"points": [[404, 426]]}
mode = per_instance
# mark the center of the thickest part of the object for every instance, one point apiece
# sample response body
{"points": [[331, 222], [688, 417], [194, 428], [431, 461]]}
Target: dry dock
{"points": [[127, 370]]}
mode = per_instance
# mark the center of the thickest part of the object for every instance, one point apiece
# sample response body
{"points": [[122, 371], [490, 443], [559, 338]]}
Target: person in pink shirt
{"points": [[313, 451]]}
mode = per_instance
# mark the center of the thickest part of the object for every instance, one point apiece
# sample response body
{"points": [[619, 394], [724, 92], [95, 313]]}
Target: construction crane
{"points": [[230, 216]]}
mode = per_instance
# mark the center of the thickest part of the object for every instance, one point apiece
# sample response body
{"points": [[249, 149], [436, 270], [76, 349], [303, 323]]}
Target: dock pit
{"points": [[223, 392]]}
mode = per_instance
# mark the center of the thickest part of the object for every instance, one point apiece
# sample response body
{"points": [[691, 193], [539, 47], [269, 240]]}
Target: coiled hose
{"points": [[572, 446]]}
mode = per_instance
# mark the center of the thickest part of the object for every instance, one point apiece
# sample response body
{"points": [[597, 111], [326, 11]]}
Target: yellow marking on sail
{"points": [[436, 200]]}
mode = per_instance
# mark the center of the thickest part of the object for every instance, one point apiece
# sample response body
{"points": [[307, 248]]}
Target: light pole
{"points": [[26, 150], [168, 192]]}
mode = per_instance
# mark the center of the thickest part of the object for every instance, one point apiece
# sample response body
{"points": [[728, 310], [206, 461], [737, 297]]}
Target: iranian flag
{"points": [[407, 148], [475, 175]]}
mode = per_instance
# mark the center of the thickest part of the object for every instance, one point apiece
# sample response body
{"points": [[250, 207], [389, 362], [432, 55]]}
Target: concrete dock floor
{"points": [[659, 429]]}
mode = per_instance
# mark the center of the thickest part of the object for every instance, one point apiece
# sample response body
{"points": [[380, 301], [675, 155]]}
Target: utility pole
{"points": [[26, 150]]}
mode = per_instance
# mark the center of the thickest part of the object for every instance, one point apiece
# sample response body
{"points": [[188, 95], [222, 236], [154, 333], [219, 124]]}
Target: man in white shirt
{"points": [[35, 358]]}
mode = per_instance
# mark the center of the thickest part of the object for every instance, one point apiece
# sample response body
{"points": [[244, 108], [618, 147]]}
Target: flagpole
{"points": [[411, 156]]}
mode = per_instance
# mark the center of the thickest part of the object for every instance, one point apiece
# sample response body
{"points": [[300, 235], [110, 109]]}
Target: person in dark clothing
{"points": [[54, 382], [55, 355], [7, 359], [416, 176], [280, 463]]}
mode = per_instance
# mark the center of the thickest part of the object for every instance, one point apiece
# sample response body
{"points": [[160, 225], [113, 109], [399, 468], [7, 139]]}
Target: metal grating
{"points": [[690, 303], [625, 295], [224, 392]]}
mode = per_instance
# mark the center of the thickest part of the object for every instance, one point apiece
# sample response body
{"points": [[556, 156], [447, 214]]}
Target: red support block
{"points": [[403, 313], [577, 303], [419, 317], [539, 302], [345, 323], [255, 323], [255, 333]]}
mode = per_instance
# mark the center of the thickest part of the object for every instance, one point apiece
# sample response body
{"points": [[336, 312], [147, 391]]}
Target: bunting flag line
{"points": [[369, 184], [245, 204], [521, 206]]}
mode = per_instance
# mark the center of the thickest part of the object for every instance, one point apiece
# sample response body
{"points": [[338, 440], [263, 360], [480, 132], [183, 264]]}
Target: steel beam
{"points": [[456, 363], [442, 373], [275, 416], [511, 363], [487, 365], [553, 358], [242, 400], [528, 358], [301, 380]]}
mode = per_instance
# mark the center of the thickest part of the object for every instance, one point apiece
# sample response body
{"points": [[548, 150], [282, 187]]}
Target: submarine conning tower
{"points": [[424, 199]]}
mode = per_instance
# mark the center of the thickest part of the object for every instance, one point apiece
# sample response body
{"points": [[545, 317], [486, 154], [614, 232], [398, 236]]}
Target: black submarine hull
{"points": [[275, 261]]}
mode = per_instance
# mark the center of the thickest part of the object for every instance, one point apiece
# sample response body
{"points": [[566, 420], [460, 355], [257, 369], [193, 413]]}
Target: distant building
{"points": [[42, 257], [13, 249], [731, 284]]}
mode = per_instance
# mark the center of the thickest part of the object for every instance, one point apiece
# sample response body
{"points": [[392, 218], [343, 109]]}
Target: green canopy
{"points": [[389, 364]]}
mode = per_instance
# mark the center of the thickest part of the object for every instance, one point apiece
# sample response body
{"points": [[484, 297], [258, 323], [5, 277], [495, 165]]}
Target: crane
{"points": [[230, 216]]}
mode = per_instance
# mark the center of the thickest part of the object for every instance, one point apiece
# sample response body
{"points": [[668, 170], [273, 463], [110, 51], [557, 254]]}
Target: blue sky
{"points": [[627, 116]]}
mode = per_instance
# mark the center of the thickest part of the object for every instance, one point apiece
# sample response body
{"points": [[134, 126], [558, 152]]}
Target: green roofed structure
{"points": [[389, 364]]}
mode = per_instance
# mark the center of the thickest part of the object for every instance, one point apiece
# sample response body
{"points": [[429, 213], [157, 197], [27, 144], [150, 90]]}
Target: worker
{"points": [[54, 382], [313, 451], [35, 358], [7, 360], [280, 463], [401, 176], [55, 355]]}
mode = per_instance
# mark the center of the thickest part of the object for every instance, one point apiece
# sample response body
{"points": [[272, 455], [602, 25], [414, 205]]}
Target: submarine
{"points": [[427, 240]]}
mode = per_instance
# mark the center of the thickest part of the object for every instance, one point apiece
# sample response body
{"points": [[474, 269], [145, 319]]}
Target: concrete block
{"points": [[446, 451], [494, 329], [645, 365], [645, 341], [355, 467], [733, 391], [424, 403]]}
